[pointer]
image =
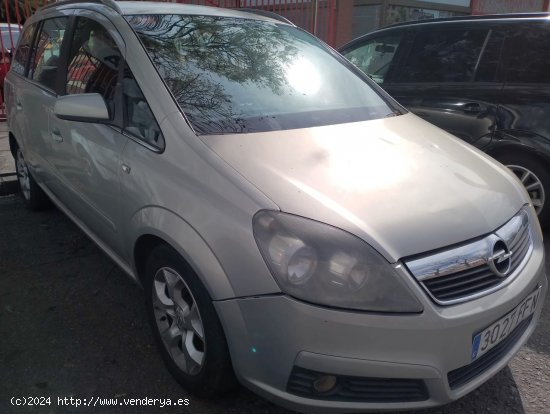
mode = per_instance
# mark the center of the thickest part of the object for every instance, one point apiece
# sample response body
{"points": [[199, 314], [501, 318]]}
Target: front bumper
{"points": [[271, 336]]}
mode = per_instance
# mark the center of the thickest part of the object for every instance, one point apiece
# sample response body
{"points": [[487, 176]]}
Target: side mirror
{"points": [[86, 107]]}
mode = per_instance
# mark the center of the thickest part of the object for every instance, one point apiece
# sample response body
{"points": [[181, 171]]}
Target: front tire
{"points": [[185, 325], [535, 179], [33, 196]]}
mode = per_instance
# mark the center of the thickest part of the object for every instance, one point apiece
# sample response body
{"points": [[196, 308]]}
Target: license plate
{"points": [[498, 331]]}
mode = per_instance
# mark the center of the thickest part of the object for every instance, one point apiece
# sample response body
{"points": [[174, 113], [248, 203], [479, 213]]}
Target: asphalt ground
{"points": [[73, 325]]}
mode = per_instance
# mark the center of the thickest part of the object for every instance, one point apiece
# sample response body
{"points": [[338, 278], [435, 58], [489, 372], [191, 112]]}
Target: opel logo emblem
{"points": [[500, 261]]}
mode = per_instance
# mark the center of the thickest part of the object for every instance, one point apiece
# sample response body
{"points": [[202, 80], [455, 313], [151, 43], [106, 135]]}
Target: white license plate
{"points": [[498, 331]]}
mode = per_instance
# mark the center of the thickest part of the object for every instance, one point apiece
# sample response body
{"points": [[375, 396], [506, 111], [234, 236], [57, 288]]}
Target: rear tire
{"points": [[536, 179], [33, 196], [186, 326]]}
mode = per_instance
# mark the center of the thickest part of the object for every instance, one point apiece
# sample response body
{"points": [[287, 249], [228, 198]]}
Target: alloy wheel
{"points": [[532, 184], [178, 320], [23, 175]]}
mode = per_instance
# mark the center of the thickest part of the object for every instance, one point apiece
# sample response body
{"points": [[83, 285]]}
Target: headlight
{"points": [[321, 264]]}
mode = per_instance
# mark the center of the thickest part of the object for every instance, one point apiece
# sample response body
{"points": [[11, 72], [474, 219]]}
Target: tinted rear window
{"points": [[237, 75]]}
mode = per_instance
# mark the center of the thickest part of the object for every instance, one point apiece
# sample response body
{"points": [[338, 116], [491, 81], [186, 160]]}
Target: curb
{"points": [[8, 184]]}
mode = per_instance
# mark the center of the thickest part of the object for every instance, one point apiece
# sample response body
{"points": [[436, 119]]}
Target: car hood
{"points": [[400, 183]]}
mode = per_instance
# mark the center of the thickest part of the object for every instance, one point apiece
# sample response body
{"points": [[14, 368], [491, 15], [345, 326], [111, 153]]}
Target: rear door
{"points": [[36, 97], [15, 85], [523, 116]]}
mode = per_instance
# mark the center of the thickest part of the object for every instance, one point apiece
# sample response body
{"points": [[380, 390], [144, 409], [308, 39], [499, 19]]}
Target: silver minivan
{"points": [[292, 226]]}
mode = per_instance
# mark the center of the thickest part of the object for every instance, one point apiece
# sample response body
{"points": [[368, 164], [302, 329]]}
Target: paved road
{"points": [[71, 324]]}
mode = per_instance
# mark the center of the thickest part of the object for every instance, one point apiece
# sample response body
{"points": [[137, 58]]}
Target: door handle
{"points": [[56, 135], [18, 104], [473, 108]]}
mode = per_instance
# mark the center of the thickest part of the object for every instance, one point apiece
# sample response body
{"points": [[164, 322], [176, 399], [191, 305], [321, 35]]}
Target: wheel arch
{"points": [[534, 160], [157, 226], [518, 149]]}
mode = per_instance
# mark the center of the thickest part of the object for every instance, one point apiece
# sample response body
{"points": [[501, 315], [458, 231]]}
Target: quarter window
{"points": [[139, 120], [443, 56], [93, 62], [23, 51], [45, 58]]}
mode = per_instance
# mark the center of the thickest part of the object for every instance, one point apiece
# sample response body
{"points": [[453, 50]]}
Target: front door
{"points": [[444, 79], [449, 77], [88, 160]]}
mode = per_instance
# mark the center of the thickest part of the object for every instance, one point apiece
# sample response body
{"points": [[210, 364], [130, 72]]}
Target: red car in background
{"points": [[9, 36]]}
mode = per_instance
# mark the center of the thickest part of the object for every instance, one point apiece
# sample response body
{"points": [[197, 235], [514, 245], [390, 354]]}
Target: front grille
{"points": [[519, 248], [463, 283], [359, 389], [464, 272], [465, 374]]}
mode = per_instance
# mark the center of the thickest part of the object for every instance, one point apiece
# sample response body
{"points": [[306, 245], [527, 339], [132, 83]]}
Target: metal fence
{"points": [[315, 16]]}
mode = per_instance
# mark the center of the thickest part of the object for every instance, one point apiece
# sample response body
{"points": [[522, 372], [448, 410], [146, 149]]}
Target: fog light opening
{"points": [[325, 383]]}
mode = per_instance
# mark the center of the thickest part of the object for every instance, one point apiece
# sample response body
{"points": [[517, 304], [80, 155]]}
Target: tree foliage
{"points": [[201, 56], [18, 11]]}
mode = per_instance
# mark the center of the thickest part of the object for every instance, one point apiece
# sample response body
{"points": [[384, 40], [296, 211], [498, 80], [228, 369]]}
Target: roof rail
{"points": [[109, 3], [266, 13], [510, 16]]}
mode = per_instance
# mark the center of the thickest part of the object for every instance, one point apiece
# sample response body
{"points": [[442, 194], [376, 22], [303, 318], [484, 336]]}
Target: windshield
{"points": [[234, 75]]}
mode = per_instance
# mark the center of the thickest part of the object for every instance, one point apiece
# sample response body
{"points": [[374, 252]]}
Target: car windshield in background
{"points": [[237, 75]]}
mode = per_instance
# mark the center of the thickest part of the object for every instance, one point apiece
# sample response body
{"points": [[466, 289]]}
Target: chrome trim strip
{"points": [[453, 261], [473, 255]]}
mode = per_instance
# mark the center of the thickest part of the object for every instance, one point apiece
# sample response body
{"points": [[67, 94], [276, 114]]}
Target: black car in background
{"points": [[485, 79]]}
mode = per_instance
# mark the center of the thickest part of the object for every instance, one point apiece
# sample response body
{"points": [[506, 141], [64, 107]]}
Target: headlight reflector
{"points": [[322, 264]]}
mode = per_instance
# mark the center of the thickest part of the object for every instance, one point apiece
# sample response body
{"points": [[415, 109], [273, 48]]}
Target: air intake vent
{"points": [[359, 389]]}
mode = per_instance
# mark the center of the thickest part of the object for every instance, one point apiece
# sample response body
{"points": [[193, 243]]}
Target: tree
{"points": [[17, 11]]}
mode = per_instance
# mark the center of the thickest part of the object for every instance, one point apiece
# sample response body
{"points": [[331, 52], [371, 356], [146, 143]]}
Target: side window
{"points": [[376, 55], [93, 62], [23, 50], [46, 51], [138, 117], [442, 56], [489, 69], [526, 54]]}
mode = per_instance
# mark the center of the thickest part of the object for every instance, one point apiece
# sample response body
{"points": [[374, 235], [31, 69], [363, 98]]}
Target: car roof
{"points": [[475, 18], [151, 7], [450, 20]]}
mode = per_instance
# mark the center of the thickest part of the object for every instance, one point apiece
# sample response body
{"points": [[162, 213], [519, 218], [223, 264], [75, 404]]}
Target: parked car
{"points": [[9, 35], [292, 225], [485, 79]]}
